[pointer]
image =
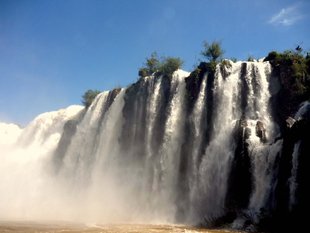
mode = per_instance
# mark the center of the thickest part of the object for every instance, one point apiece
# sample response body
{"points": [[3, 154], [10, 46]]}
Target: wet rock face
{"points": [[240, 178], [242, 123], [242, 131], [288, 215], [261, 131], [290, 122]]}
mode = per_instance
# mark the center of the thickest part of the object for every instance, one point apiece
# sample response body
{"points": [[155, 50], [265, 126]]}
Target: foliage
{"points": [[89, 96], [169, 65], [291, 63], [143, 72], [213, 52], [152, 63], [151, 66], [164, 66], [292, 68], [272, 56]]}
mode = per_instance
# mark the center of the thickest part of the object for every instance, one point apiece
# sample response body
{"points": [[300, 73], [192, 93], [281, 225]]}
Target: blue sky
{"points": [[52, 51]]}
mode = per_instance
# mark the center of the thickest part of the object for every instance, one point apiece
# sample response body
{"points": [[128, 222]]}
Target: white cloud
{"points": [[287, 16]]}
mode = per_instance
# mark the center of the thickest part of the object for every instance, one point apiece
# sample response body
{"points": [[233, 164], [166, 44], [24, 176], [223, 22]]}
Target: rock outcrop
{"points": [[261, 131]]}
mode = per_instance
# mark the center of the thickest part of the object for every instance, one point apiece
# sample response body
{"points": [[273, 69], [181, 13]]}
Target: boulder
{"points": [[242, 129]]}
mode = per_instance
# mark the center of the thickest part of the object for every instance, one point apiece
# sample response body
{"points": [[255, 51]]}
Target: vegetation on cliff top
{"points": [[292, 68], [89, 96], [212, 51], [293, 71], [164, 66]]}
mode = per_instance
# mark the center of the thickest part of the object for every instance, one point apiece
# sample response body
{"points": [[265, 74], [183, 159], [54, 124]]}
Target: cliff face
{"points": [[291, 189], [212, 147], [292, 73], [285, 201]]}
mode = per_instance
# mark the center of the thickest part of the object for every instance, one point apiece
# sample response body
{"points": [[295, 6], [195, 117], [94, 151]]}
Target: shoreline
{"points": [[7, 226]]}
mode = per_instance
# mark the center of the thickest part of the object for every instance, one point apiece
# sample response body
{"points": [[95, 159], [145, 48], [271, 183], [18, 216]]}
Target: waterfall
{"points": [[24, 178], [213, 170], [150, 152], [196, 120]]}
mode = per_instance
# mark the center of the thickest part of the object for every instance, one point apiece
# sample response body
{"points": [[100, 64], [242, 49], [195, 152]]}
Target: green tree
{"points": [[143, 72], [169, 65], [213, 52], [293, 70], [164, 66], [151, 66], [89, 96], [152, 63]]}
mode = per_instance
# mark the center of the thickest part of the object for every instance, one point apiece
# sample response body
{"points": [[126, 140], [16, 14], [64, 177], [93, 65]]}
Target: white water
{"points": [[8, 134], [170, 150], [97, 181], [214, 168], [24, 180], [264, 158], [196, 119]]}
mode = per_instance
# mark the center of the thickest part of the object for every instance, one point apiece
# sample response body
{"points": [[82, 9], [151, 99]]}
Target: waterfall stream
{"points": [[140, 154]]}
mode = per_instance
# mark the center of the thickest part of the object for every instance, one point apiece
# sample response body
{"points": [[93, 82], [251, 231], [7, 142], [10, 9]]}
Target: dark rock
{"points": [[290, 71], [285, 216], [240, 177], [244, 94], [261, 131], [193, 84], [69, 131]]}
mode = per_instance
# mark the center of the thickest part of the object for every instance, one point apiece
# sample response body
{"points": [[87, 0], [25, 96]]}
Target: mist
{"points": [[89, 183]]}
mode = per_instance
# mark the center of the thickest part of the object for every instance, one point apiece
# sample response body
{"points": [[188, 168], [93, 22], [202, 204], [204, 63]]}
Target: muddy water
{"points": [[32, 227]]}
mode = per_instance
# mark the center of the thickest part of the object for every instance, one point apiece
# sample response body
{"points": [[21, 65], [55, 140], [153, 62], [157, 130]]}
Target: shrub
{"points": [[143, 72], [272, 56], [292, 68], [89, 96], [151, 66], [213, 52], [169, 65], [164, 66], [152, 63]]}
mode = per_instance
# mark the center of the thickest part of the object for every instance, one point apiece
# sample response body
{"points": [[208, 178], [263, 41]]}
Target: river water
{"points": [[36, 227]]}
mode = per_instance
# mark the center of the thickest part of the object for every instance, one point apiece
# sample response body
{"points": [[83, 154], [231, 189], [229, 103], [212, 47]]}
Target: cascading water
{"points": [[214, 167], [24, 179], [148, 152]]}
